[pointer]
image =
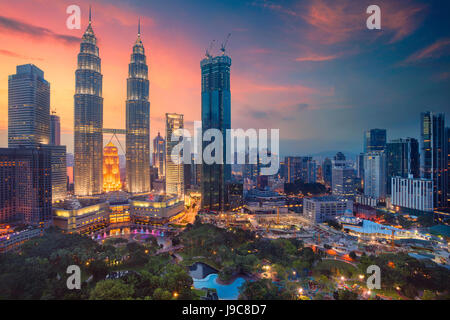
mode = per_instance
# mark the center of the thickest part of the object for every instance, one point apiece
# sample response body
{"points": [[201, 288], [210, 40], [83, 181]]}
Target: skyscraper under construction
{"points": [[88, 118], [138, 121], [216, 114]]}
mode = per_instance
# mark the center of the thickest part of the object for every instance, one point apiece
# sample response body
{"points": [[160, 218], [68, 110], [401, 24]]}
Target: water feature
{"points": [[205, 276], [224, 292]]}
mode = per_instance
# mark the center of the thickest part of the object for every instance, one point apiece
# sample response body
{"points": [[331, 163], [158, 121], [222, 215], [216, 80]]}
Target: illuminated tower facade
{"points": [[111, 171], [138, 121], [174, 171], [88, 118]]}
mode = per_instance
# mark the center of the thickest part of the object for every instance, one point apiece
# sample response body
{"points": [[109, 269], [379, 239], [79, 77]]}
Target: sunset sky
{"points": [[310, 68]]}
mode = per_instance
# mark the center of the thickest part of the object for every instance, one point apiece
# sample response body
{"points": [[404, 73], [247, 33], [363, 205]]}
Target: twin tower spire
{"points": [[139, 22]]}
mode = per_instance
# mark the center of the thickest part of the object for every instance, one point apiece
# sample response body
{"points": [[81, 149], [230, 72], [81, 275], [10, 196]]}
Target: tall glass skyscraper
{"points": [[138, 121], [28, 107], [434, 157], [174, 171], [88, 119], [402, 159], [216, 114], [374, 140]]}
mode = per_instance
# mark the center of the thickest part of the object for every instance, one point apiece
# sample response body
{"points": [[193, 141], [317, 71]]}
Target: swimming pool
{"points": [[224, 292]]}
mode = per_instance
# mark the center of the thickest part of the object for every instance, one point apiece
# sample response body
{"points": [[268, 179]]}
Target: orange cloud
{"points": [[316, 58]]}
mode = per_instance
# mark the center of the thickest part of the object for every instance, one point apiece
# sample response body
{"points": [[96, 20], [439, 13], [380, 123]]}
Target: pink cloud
{"points": [[337, 21], [437, 49]]}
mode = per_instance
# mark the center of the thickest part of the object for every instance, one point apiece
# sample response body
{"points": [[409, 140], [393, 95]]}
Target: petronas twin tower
{"points": [[138, 121], [88, 120]]}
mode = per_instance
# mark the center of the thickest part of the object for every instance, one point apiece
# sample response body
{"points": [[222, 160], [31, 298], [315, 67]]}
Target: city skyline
{"points": [[304, 91]]}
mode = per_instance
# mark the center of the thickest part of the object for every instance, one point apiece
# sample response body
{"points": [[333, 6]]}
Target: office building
{"points": [[174, 169], [216, 114], [88, 118], [434, 156], [412, 193], [55, 130], [159, 158], [402, 156], [360, 168], [447, 130], [343, 181], [327, 168], [26, 188], [322, 209], [28, 107], [375, 175], [374, 140], [138, 121], [300, 168], [59, 171]]}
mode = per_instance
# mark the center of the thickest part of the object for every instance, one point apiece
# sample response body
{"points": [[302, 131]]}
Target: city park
{"points": [[205, 261]]}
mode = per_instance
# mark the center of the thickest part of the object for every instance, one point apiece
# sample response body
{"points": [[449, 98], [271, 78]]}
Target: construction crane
{"points": [[224, 44], [207, 51]]}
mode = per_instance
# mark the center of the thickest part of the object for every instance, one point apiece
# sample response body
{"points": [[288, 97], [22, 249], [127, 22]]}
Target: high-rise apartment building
{"points": [[216, 114], [28, 107], [434, 156], [88, 118], [174, 169], [412, 193], [374, 140], [159, 158], [138, 121], [375, 175]]}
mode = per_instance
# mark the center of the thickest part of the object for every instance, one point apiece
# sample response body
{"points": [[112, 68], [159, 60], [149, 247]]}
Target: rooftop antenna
{"points": [[139, 27], [90, 14], [224, 44], [207, 53]]}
